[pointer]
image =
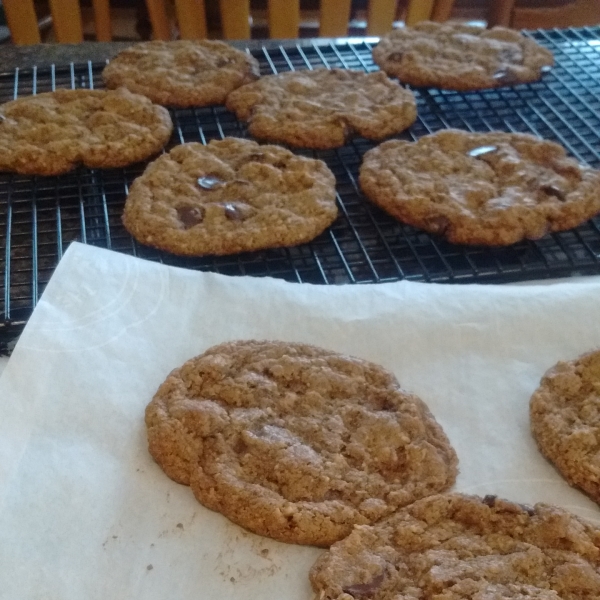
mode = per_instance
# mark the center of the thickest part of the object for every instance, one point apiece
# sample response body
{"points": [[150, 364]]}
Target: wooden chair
{"points": [[66, 20], [531, 14]]}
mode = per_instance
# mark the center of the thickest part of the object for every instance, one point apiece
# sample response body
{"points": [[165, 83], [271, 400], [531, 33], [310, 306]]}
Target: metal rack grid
{"points": [[40, 216]]}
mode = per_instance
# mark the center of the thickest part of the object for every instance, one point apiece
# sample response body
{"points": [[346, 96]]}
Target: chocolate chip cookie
{"points": [[230, 196], [458, 547], [295, 442], [322, 108], [481, 188], [565, 420], [462, 57], [52, 133], [181, 73]]}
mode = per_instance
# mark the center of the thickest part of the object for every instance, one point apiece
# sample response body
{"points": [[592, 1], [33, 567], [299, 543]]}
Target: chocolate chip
{"points": [[437, 224], [2, 118], [363, 590], [190, 215], [240, 446], [510, 56], [505, 77], [481, 151], [333, 495], [546, 69], [256, 157], [210, 182], [221, 62], [552, 190], [395, 56], [237, 211], [489, 500], [528, 509]]}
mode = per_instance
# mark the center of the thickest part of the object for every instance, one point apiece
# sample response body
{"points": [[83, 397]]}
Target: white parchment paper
{"points": [[86, 514]]}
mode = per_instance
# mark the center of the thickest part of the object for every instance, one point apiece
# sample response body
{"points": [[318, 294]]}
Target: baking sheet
{"points": [[84, 511]]}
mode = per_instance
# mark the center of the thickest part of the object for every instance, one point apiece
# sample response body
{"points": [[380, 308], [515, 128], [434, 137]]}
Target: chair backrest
{"points": [[66, 20], [284, 17]]}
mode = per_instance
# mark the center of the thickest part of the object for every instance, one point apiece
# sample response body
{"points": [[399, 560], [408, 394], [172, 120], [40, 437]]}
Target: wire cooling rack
{"points": [[40, 216]]}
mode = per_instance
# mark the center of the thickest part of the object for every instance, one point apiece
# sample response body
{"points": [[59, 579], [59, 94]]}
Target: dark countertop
{"points": [[12, 57]]}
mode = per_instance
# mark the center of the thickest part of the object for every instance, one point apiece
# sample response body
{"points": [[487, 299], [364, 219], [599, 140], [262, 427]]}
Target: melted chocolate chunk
{"points": [[437, 224], [505, 77], [528, 509], [190, 215], [237, 211], [481, 151], [210, 182], [222, 61], [510, 55], [256, 157], [363, 590], [2, 118], [546, 69], [489, 500], [395, 56], [334, 495], [552, 190]]}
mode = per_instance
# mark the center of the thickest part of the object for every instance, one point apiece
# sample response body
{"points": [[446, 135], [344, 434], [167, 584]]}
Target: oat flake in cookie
{"points": [[52, 133], [481, 188], [458, 547], [565, 420], [322, 108], [181, 73], [461, 57], [230, 196], [295, 442]]}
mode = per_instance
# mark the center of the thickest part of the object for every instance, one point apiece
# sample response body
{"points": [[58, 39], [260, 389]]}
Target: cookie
{"points": [[322, 108], [181, 73], [52, 133], [458, 547], [564, 415], [230, 196], [456, 56], [481, 188], [295, 442]]}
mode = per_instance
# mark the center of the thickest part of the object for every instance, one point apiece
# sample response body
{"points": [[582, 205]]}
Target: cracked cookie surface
{"points": [[230, 196], [461, 57], [182, 73], [295, 442], [323, 108], [565, 420], [481, 188], [458, 547], [53, 132]]}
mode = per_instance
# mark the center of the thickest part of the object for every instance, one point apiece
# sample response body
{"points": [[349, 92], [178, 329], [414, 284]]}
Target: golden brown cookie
{"points": [[230, 196], [458, 547], [295, 442], [565, 420], [481, 188], [322, 108], [52, 133], [461, 57], [181, 73]]}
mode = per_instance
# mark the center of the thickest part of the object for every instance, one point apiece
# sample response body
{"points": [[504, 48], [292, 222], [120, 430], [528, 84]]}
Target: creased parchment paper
{"points": [[86, 514]]}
